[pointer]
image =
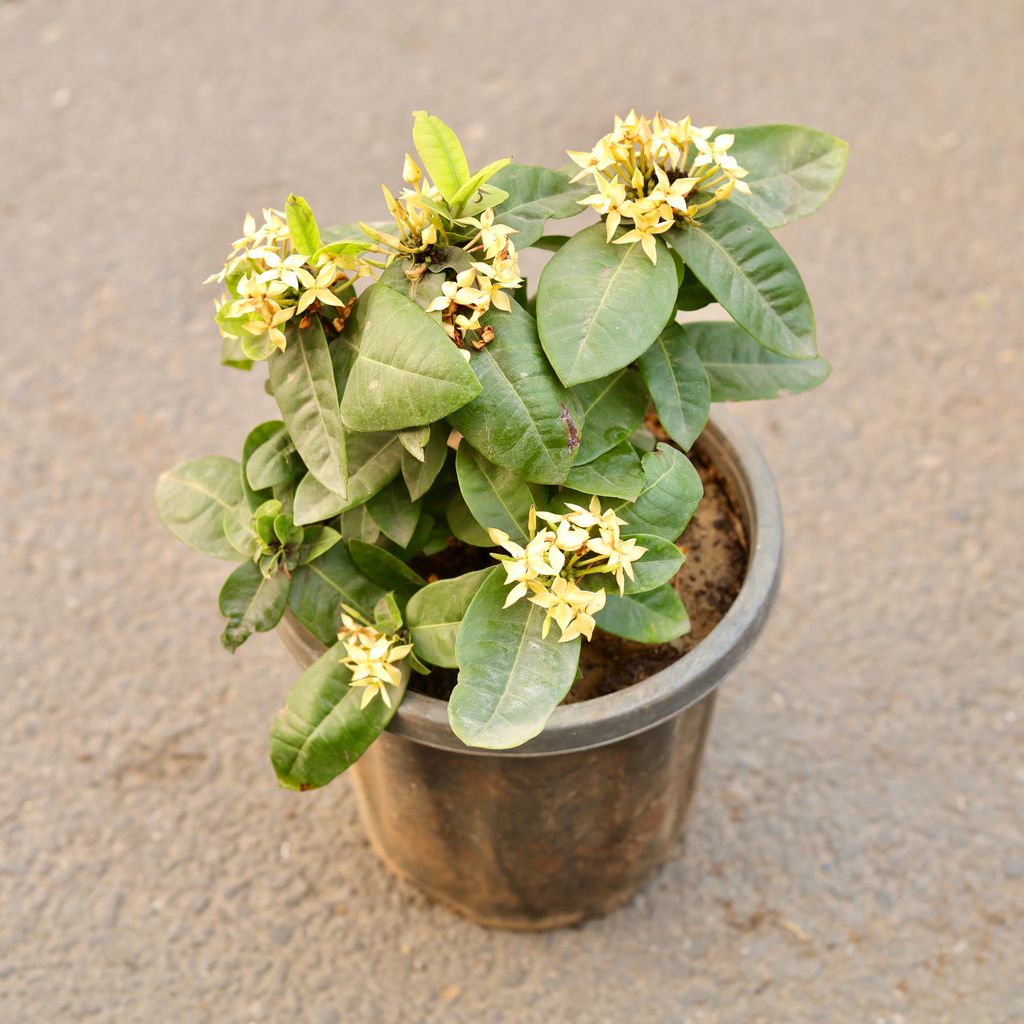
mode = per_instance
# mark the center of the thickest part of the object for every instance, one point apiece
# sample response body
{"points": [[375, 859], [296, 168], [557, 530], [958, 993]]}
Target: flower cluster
{"points": [[574, 544], [372, 657], [271, 283], [464, 300], [653, 171]]}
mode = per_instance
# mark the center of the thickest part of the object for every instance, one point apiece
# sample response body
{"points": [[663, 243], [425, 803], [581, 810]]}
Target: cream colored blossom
{"points": [[572, 607], [654, 173], [319, 290], [372, 657]]}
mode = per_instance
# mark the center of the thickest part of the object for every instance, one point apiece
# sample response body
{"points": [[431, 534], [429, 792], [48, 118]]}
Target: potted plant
{"points": [[475, 502]]}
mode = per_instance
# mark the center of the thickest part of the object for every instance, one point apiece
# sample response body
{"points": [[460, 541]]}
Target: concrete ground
{"points": [[856, 851]]}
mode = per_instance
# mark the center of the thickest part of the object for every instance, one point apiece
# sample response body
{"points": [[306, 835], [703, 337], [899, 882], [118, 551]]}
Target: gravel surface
{"points": [[856, 850]]}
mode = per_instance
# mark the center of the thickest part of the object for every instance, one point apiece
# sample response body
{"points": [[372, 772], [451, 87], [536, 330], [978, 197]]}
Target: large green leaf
{"points": [[274, 462], [536, 194], [251, 602], [386, 570], [302, 380], [599, 305], [321, 587], [736, 258], [496, 497], [408, 372], [523, 419], [192, 498], [394, 513], [740, 370], [510, 677], [463, 525], [435, 612], [654, 617], [793, 170], [675, 377], [358, 524], [302, 225], [617, 474], [659, 563], [376, 459], [256, 494], [441, 152], [613, 408], [420, 475], [321, 730]]}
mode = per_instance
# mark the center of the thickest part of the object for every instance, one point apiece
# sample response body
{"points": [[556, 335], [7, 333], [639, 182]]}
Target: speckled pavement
{"points": [[856, 850]]}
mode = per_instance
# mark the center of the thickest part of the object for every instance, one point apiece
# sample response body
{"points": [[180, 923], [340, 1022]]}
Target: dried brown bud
{"points": [[487, 335]]}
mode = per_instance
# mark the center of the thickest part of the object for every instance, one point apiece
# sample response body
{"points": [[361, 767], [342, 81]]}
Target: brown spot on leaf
{"points": [[572, 433]]}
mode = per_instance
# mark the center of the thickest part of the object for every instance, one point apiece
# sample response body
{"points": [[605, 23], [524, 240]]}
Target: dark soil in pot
{"points": [[715, 546]]}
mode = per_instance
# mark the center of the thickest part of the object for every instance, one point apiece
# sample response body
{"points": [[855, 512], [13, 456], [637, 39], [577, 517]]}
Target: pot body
{"points": [[569, 825]]}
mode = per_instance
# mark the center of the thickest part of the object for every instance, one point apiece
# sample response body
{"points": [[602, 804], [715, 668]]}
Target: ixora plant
{"points": [[431, 406]]}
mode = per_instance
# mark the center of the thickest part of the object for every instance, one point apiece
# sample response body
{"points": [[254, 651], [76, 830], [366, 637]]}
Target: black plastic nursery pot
{"points": [[571, 824]]}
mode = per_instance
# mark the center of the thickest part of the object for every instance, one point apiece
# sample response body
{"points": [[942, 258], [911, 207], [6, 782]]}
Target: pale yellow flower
{"points": [[569, 605], [619, 555], [371, 656], [494, 237], [320, 289]]}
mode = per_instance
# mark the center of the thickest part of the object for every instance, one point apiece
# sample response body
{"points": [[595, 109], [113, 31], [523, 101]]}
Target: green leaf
{"points": [[484, 198], [231, 354], [496, 497], [274, 462], [659, 564], [435, 612], [441, 152], [192, 498], [251, 602], [740, 370], [376, 460], [523, 419], [675, 377], [302, 225], [414, 440], [536, 194], [321, 587], [510, 677], [599, 304], [793, 170], [302, 378], [394, 513], [407, 372], [613, 408], [692, 294], [386, 570], [420, 476], [316, 541], [467, 188], [358, 524], [671, 492], [617, 474], [751, 277], [462, 524], [321, 729], [654, 617]]}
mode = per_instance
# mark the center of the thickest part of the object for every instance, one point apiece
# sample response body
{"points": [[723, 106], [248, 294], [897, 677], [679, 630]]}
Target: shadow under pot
{"points": [[571, 824]]}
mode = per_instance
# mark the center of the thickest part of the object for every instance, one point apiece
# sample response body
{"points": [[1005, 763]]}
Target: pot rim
{"points": [[616, 716]]}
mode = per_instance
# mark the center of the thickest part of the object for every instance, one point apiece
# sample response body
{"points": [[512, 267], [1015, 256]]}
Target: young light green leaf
{"points": [[793, 170], [740, 370], [302, 379], [496, 497], [316, 541], [420, 476], [302, 225], [435, 612], [192, 498], [617, 473], [523, 419], [654, 617], [675, 377], [613, 408], [322, 586], [536, 194], [394, 513], [387, 571], [393, 386], [736, 258], [441, 152], [485, 197], [475, 180], [251, 602], [322, 730], [510, 677], [599, 304]]}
